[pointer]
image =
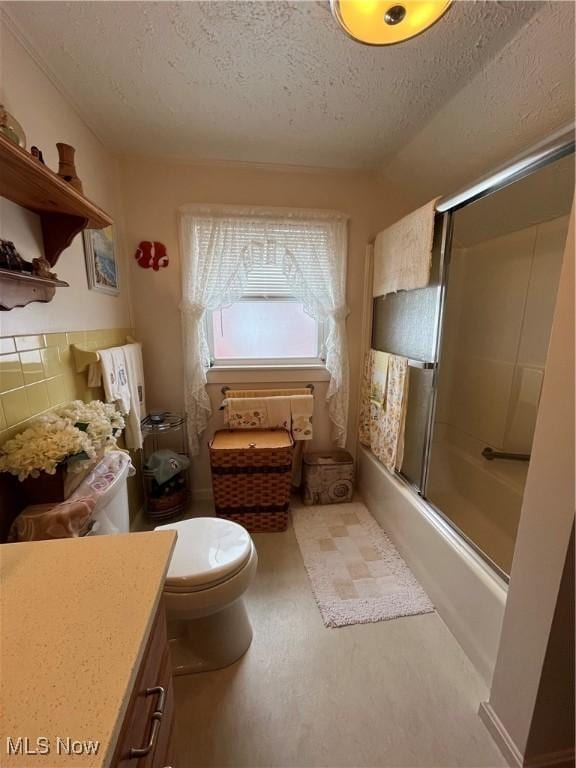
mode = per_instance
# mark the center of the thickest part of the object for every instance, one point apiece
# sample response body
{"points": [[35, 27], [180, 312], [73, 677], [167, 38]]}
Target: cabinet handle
{"points": [[156, 717]]}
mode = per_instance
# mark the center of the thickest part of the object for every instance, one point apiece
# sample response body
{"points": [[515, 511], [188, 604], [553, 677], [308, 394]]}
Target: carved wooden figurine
{"points": [[37, 153], [41, 268]]}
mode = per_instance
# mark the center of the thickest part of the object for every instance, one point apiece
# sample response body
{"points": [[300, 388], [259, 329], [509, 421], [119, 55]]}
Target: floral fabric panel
{"points": [[382, 421], [293, 413], [279, 412], [394, 414], [377, 421], [301, 410], [302, 428], [246, 413], [365, 410]]}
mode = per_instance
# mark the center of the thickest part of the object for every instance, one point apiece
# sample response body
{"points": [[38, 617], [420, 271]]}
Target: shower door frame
{"points": [[554, 148]]}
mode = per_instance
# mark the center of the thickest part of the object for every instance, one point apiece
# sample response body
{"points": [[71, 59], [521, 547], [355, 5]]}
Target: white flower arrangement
{"points": [[72, 434], [101, 421]]}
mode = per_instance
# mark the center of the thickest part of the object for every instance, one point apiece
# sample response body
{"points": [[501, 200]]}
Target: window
{"points": [[266, 326], [263, 286]]}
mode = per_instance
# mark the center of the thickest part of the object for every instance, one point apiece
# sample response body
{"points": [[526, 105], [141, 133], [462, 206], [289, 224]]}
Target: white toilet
{"points": [[213, 564]]}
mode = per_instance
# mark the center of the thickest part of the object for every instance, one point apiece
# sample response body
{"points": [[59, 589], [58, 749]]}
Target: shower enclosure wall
{"points": [[476, 339]]}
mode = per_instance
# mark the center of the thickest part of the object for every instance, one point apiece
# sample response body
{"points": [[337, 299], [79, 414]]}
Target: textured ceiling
{"points": [[257, 81], [524, 94]]}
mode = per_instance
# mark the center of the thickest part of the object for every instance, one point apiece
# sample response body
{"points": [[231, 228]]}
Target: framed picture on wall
{"points": [[101, 263]]}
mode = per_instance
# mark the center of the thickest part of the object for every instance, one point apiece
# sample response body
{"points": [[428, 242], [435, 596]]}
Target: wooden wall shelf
{"points": [[63, 211], [18, 289]]}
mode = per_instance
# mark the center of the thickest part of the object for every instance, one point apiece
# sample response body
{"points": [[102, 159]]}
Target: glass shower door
{"points": [[502, 278]]}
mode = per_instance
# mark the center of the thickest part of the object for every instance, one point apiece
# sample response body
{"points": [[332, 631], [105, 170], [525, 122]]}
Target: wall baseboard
{"points": [[495, 727], [564, 758]]}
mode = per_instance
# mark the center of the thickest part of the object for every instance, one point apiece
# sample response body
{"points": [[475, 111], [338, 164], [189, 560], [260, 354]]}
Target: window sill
{"points": [[247, 374]]}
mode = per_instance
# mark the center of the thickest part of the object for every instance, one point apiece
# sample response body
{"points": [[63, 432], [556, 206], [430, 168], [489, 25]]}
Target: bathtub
{"points": [[481, 498], [467, 593]]}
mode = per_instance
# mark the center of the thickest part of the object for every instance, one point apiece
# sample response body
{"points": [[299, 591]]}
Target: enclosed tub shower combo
{"points": [[474, 334]]}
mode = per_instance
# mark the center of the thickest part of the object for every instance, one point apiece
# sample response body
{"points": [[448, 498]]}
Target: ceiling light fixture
{"points": [[385, 22]]}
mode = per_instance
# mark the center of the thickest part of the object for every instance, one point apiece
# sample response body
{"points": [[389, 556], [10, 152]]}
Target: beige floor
{"points": [[391, 694]]}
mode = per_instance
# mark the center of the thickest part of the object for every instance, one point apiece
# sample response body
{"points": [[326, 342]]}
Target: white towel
{"points": [[302, 407], [403, 252], [95, 375], [135, 371], [115, 377]]}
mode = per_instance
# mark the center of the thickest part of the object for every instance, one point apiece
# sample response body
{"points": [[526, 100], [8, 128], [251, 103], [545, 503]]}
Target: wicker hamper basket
{"points": [[251, 477]]}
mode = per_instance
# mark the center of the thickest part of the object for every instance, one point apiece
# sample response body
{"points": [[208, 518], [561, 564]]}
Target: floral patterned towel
{"points": [[246, 413], [293, 413], [379, 381], [366, 388], [302, 407], [382, 423], [279, 412]]}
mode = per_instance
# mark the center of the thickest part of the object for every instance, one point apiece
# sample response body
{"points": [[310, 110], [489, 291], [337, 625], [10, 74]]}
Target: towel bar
{"points": [[427, 365], [489, 454], [84, 357], [226, 389], [306, 386]]}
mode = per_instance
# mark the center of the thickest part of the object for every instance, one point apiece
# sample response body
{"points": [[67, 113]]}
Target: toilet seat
{"points": [[208, 552]]}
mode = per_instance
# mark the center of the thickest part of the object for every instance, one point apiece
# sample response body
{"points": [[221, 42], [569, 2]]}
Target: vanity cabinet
{"points": [[146, 734]]}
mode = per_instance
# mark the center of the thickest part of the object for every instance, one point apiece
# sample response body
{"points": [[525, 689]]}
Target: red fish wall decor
{"points": [[151, 255]]}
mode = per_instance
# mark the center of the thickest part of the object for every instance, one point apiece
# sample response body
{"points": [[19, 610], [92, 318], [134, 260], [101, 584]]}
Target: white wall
{"points": [[47, 117], [500, 303], [154, 190], [544, 536]]}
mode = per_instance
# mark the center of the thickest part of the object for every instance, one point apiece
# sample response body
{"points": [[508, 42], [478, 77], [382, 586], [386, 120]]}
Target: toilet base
{"points": [[210, 642]]}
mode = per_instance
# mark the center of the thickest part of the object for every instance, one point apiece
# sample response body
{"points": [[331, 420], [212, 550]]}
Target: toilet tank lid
{"points": [[207, 550]]}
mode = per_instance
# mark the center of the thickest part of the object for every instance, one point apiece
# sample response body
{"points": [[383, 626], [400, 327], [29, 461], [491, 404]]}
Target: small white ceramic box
{"points": [[328, 477]]}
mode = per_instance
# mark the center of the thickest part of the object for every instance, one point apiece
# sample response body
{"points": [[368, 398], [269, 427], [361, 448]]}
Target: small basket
{"points": [[251, 477]]}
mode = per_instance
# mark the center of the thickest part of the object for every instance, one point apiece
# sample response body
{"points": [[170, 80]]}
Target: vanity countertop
{"points": [[75, 617]]}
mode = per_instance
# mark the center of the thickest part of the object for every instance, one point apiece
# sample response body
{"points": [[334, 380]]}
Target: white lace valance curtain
{"points": [[220, 246]]}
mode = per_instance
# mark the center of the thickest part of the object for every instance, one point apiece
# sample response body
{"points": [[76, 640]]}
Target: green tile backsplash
{"points": [[37, 373]]}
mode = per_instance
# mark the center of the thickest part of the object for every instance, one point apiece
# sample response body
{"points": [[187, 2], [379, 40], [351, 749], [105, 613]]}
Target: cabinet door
{"points": [[144, 740], [159, 755]]}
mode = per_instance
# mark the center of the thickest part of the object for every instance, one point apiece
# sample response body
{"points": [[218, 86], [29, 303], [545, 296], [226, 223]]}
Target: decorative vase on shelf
{"points": [[11, 128], [66, 167]]}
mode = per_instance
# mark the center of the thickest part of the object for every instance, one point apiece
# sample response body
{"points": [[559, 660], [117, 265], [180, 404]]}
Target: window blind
{"points": [[267, 280], [264, 247]]}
